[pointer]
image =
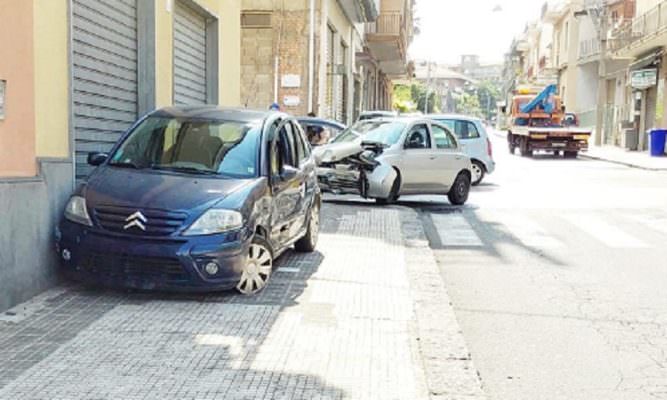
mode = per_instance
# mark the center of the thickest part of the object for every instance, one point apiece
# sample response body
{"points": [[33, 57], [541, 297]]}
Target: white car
{"points": [[474, 141], [389, 157]]}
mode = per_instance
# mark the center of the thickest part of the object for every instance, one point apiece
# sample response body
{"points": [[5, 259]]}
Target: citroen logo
{"points": [[137, 219]]}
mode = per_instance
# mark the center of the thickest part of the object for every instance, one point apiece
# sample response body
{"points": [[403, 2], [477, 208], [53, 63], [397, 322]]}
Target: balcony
{"points": [[388, 39], [589, 50], [643, 33]]}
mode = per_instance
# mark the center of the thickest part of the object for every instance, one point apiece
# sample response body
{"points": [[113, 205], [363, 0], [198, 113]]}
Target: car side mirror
{"points": [[97, 158], [413, 144], [288, 173]]}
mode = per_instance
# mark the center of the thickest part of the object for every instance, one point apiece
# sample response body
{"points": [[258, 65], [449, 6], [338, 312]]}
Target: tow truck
{"points": [[538, 122]]}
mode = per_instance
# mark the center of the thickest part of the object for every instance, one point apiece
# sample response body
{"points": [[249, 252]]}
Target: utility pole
{"points": [[428, 86], [602, 74]]}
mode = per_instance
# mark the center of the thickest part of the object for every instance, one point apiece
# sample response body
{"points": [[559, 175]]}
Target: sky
{"points": [[450, 28]]}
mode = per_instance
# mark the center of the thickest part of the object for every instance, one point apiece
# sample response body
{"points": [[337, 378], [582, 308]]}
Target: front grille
{"points": [[111, 265], [158, 222]]}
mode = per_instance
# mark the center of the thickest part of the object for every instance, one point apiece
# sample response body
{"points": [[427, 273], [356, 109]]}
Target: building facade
{"points": [[334, 58], [74, 75]]}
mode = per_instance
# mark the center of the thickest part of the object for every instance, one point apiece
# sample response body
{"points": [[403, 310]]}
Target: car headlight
{"points": [[76, 211], [215, 221]]}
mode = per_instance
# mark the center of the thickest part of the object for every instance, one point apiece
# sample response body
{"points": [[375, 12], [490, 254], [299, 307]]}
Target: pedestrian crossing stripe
{"points": [[608, 234], [454, 230]]}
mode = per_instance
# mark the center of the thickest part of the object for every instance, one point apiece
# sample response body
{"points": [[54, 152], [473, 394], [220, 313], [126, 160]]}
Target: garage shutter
{"points": [[189, 56], [104, 71]]}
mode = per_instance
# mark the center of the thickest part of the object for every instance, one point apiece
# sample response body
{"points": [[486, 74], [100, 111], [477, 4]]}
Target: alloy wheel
{"points": [[476, 172], [257, 270]]}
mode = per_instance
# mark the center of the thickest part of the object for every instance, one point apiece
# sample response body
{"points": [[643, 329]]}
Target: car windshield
{"points": [[191, 146], [382, 131]]}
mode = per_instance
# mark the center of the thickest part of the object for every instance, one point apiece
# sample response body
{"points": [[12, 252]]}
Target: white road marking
{"points": [[658, 224], [528, 232], [455, 230], [609, 235], [289, 270]]}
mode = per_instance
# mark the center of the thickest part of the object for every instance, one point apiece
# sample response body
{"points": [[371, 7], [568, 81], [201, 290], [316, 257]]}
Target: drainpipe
{"points": [[276, 64], [311, 56]]}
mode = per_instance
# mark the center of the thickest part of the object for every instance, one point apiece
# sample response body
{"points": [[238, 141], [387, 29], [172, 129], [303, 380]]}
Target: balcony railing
{"points": [[390, 24], [589, 48], [642, 27], [386, 24]]}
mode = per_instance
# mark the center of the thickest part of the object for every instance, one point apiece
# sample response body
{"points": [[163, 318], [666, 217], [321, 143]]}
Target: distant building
{"points": [[445, 81]]}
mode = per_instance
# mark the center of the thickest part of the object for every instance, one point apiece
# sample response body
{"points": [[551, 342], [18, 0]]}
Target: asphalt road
{"points": [[557, 270]]}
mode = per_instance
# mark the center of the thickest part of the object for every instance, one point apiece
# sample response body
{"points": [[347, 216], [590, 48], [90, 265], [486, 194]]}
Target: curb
{"points": [[448, 366], [627, 164]]}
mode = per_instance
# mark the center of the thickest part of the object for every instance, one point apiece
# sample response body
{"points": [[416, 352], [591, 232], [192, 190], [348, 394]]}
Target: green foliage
{"points": [[411, 98]]}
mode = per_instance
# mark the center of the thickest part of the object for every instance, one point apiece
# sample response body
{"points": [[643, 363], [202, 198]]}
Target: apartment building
{"points": [[643, 41], [74, 75], [331, 57]]}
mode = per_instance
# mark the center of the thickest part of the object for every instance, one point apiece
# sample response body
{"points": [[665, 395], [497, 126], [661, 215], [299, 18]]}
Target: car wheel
{"points": [[478, 172], [393, 194], [308, 242], [510, 143], [458, 194], [524, 148], [258, 267]]}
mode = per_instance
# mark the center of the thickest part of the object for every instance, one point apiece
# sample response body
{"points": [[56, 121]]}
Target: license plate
{"points": [[559, 144]]}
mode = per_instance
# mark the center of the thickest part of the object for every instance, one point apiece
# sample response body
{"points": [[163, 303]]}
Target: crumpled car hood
{"points": [[334, 152]]}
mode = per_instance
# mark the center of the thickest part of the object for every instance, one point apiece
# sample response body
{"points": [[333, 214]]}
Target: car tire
{"points": [[458, 194], [524, 148], [393, 194], [257, 271], [478, 172], [308, 242], [510, 143]]}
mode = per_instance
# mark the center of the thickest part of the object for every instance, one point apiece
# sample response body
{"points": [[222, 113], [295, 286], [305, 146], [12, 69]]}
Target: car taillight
{"points": [[489, 148]]}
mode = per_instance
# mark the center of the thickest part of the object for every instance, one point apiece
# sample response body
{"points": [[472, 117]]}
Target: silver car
{"points": [[474, 142], [389, 157]]}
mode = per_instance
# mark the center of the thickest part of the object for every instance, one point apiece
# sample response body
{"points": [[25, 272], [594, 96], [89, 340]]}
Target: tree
{"points": [[413, 98]]}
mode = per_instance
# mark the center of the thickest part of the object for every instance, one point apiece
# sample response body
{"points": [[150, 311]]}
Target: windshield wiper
{"points": [[125, 164], [189, 170]]}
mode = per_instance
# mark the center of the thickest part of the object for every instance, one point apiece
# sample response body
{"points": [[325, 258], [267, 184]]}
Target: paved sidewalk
{"points": [[366, 317], [617, 155]]}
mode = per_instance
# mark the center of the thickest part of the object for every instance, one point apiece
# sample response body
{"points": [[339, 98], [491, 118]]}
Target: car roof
{"points": [[323, 121], [453, 116], [216, 113]]}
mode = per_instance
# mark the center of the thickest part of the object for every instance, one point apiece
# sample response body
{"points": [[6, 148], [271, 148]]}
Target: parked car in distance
{"points": [[320, 131], [194, 199], [474, 141], [385, 158], [365, 115]]}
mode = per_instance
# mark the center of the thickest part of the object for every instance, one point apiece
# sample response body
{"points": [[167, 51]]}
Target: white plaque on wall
{"points": [[291, 101], [291, 81]]}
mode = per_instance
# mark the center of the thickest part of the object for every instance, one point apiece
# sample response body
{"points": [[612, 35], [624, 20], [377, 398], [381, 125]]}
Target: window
{"points": [[462, 129], [191, 146], [443, 139], [286, 146], [302, 148], [418, 138]]}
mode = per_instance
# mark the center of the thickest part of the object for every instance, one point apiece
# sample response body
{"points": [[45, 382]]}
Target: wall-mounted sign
{"points": [[644, 78], [291, 81], [3, 90], [291, 101]]}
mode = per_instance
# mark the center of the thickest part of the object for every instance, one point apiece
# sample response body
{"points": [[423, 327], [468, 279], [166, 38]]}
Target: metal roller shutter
{"points": [[104, 72], [189, 56]]}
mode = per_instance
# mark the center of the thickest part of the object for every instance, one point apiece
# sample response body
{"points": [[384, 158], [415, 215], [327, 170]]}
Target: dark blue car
{"points": [[194, 199]]}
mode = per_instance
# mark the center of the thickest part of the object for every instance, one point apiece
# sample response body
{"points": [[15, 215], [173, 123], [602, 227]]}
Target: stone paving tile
{"points": [[346, 322]]}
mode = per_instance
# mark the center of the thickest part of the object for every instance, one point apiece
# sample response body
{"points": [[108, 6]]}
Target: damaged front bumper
{"points": [[375, 182]]}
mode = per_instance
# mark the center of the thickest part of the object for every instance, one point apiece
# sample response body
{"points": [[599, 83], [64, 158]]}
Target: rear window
{"points": [[462, 129]]}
